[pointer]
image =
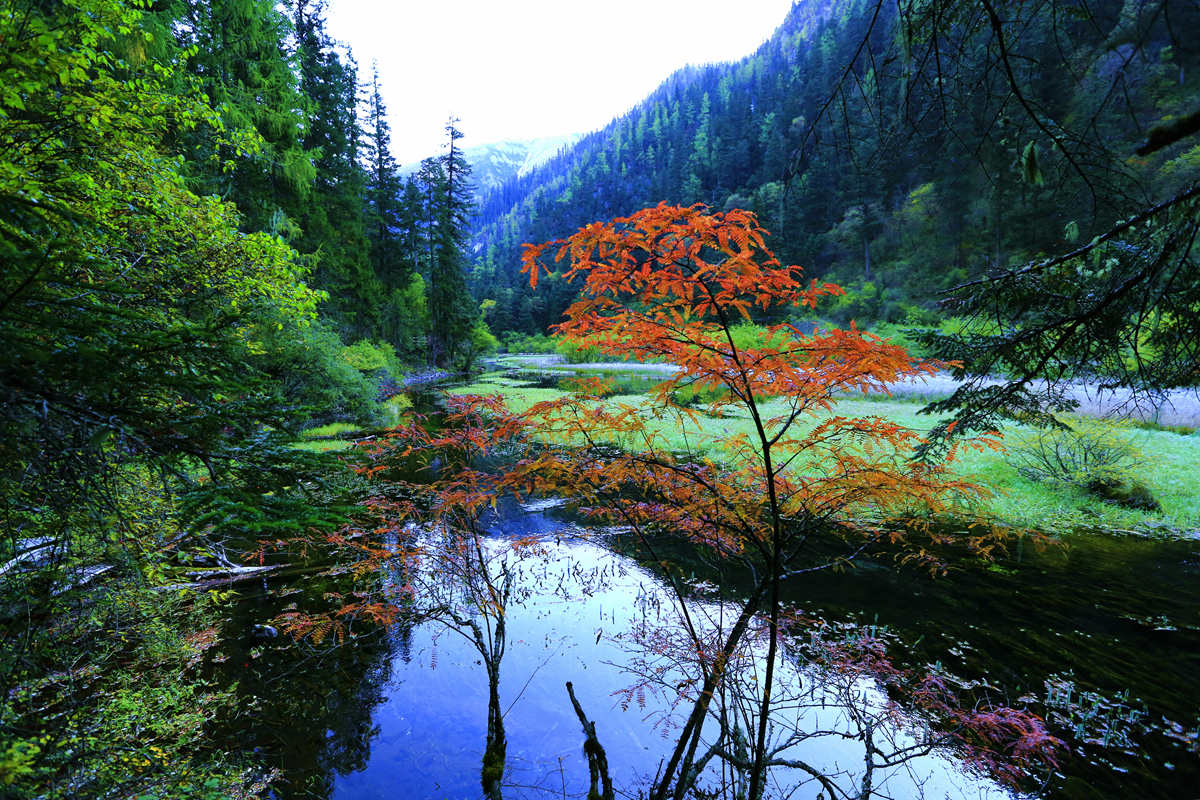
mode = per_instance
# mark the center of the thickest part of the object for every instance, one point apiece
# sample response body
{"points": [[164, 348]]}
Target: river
{"points": [[1101, 634]]}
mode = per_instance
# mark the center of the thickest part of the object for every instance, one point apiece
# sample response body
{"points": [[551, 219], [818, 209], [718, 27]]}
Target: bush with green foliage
{"points": [[479, 342], [1095, 455], [316, 379], [1091, 451], [128, 720], [370, 357], [405, 321], [576, 354], [517, 342], [868, 304]]}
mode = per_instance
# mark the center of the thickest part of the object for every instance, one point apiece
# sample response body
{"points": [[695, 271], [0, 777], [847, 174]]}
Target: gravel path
{"points": [[1180, 407]]}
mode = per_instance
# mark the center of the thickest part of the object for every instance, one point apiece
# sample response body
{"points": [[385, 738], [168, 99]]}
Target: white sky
{"points": [[520, 69]]}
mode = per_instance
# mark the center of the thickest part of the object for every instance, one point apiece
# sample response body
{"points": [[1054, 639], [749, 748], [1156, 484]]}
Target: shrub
{"points": [[574, 353], [1090, 452], [747, 335], [479, 342], [370, 357], [315, 379], [691, 397], [868, 304], [517, 342]]}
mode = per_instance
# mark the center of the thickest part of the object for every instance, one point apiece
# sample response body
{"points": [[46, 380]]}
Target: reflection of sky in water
{"points": [[430, 729]]}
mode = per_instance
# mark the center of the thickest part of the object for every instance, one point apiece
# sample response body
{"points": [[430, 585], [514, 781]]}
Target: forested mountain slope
{"points": [[871, 165]]}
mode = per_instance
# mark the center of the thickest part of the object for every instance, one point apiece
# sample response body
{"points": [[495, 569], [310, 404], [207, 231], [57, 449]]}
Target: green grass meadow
{"points": [[1169, 465]]}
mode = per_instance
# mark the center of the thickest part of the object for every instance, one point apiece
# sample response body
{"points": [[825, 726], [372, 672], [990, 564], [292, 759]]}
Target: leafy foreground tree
{"points": [[141, 332], [669, 283]]}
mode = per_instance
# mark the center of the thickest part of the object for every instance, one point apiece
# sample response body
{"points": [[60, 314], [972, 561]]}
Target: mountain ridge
{"points": [[902, 188]]}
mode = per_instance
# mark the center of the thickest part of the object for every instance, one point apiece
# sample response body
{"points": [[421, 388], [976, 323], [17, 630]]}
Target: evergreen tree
{"points": [[847, 106], [383, 189], [449, 199], [236, 57], [393, 217], [334, 228]]}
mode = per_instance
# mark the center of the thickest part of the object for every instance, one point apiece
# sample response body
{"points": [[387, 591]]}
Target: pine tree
{"points": [[334, 228], [449, 203]]}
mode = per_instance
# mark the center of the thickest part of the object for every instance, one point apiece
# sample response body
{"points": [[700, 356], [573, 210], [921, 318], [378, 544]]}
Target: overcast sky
{"points": [[520, 69]]}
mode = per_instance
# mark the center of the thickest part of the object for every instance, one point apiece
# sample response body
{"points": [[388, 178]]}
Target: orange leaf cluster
{"points": [[668, 284]]}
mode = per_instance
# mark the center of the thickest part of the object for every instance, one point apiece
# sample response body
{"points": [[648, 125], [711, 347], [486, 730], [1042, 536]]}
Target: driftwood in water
{"points": [[222, 576], [82, 577], [31, 552], [347, 436]]}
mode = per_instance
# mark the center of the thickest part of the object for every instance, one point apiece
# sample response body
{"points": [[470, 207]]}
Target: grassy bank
{"points": [[1170, 468]]}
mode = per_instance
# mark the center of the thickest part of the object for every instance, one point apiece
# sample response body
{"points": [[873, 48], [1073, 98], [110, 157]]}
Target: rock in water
{"points": [[263, 633]]}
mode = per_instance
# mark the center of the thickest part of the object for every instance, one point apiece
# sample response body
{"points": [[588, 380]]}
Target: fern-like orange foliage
{"points": [[669, 284]]}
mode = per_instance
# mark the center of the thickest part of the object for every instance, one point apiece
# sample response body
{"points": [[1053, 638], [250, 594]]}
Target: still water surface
{"points": [[1102, 636]]}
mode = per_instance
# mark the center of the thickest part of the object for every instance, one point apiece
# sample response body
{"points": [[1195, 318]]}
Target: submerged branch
{"points": [[597, 758]]}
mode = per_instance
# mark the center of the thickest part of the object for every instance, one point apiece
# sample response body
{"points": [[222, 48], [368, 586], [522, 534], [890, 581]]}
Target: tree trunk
{"points": [[494, 752]]}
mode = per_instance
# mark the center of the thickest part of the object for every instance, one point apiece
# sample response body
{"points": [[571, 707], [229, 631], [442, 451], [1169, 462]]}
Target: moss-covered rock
{"points": [[1127, 494]]}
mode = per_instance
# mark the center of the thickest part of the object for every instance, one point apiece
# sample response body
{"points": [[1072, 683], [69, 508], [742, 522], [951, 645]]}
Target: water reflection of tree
{"points": [[305, 707], [421, 528], [467, 586], [444, 570], [844, 717], [667, 284], [724, 666]]}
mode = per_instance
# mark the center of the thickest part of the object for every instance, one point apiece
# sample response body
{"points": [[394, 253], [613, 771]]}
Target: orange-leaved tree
{"points": [[768, 464], [748, 480]]}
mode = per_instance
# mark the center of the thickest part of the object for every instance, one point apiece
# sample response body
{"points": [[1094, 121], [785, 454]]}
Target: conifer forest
{"points": [[824, 426]]}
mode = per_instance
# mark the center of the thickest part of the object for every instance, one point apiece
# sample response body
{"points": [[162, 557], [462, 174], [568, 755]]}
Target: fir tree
{"points": [[334, 229], [448, 191], [236, 56], [383, 188]]}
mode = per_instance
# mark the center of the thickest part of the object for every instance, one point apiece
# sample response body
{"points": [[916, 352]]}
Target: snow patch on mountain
{"points": [[494, 164]]}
